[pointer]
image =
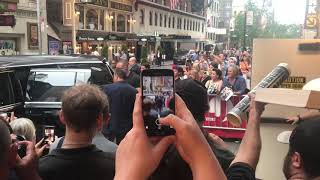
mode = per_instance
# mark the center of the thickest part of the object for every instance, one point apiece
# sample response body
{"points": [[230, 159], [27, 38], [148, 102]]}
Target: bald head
{"points": [[132, 61], [5, 142]]}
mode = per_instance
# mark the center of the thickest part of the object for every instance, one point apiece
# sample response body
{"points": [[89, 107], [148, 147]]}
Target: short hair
{"points": [[25, 127], [146, 64], [133, 59], [194, 94], [302, 140], [5, 141], [82, 105], [124, 62], [235, 69], [120, 73], [218, 72]]}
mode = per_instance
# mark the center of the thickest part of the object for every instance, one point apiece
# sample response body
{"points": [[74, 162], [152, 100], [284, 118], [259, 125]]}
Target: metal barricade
{"points": [[216, 119]]}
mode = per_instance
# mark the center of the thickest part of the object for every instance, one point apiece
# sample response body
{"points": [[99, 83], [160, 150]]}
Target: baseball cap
{"points": [[194, 94]]}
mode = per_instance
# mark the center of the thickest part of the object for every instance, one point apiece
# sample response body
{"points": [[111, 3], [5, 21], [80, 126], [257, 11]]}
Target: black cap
{"points": [[304, 139], [194, 94]]}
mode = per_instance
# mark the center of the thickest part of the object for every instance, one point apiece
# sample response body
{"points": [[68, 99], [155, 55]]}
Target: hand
{"points": [[137, 157], [256, 108], [40, 147], [192, 145], [293, 120], [218, 141], [188, 133], [26, 167]]}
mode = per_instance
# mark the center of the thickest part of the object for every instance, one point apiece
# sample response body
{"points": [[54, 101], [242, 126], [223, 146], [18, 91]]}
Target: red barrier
{"points": [[216, 121]]}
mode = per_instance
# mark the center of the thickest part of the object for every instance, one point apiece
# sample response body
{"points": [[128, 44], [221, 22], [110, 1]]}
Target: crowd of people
{"points": [[96, 117], [231, 69]]}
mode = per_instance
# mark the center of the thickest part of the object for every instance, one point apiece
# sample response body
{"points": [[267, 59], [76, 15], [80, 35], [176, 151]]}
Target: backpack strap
{"points": [[60, 142]]}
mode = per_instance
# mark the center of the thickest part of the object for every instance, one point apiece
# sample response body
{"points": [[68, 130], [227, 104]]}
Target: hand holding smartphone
{"points": [[157, 95], [48, 134]]}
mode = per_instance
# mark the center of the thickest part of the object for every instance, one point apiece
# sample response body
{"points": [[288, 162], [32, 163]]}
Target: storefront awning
{"points": [[87, 35], [52, 33]]}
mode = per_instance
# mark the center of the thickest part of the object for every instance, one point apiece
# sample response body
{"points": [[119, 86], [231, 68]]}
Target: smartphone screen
{"points": [[49, 134], [158, 100]]}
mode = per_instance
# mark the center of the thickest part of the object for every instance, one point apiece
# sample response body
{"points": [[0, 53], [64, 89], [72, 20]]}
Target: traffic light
{"points": [[7, 20]]}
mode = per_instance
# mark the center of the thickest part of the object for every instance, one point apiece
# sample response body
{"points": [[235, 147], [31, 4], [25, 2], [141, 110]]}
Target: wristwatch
{"points": [[299, 119]]}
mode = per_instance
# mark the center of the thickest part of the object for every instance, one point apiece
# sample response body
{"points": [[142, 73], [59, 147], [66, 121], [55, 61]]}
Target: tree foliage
{"points": [[272, 29]]}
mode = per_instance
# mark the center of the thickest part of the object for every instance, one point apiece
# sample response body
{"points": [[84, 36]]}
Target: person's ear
{"points": [[100, 122], [61, 117], [12, 155], [296, 160]]}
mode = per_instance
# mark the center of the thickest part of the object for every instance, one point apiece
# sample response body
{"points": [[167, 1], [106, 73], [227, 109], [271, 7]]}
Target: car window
{"points": [[6, 94], [16, 88], [48, 86]]}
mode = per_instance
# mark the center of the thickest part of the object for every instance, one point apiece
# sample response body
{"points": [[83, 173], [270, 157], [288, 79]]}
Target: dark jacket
{"points": [[121, 99], [133, 79]]}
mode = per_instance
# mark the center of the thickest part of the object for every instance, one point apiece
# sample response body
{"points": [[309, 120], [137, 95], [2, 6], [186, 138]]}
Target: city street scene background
{"points": [[226, 47]]}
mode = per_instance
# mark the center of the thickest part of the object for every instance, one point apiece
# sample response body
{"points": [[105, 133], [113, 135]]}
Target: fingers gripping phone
{"points": [[48, 134], [157, 95]]}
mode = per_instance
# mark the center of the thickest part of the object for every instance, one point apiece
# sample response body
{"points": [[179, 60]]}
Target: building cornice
{"points": [[166, 8]]}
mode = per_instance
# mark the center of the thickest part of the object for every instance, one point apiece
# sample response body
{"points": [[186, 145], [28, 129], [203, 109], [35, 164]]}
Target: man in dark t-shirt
{"points": [[84, 109]]}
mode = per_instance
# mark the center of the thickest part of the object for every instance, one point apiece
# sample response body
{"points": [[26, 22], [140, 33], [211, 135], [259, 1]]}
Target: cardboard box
{"points": [[288, 97]]}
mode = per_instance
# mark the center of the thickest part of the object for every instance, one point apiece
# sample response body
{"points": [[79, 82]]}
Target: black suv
{"points": [[32, 86]]}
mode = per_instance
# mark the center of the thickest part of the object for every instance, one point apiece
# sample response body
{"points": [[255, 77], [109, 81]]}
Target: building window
{"points": [[81, 17], [155, 19], [101, 20], [92, 19], [165, 20], [202, 27], [128, 23], [184, 24], [68, 11], [169, 24], [150, 18], [160, 23], [121, 23], [187, 24], [114, 21], [173, 22], [141, 16]]}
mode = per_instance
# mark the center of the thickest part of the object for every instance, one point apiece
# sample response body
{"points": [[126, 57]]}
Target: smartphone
{"points": [[48, 134], [158, 100]]}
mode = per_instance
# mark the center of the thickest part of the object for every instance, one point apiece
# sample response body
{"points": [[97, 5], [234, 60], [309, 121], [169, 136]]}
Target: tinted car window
{"points": [[6, 94], [16, 87], [49, 85]]}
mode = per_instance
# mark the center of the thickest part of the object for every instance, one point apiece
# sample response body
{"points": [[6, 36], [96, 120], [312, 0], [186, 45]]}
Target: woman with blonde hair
{"points": [[25, 127]]}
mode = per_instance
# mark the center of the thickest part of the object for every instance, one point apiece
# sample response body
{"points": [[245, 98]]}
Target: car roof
{"points": [[21, 61]]}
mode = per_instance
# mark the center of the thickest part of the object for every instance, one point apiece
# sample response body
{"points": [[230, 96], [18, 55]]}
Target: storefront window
{"points": [[92, 19], [81, 17], [102, 20], [121, 23]]}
